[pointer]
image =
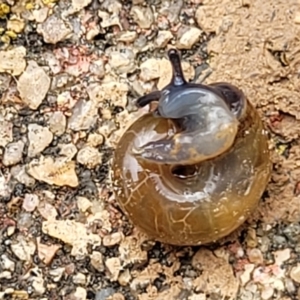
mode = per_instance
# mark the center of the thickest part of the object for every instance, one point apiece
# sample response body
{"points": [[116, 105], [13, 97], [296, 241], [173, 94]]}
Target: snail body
{"points": [[193, 170]]}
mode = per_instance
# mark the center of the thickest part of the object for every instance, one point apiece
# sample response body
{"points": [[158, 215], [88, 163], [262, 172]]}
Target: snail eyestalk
{"points": [[178, 76], [147, 99]]}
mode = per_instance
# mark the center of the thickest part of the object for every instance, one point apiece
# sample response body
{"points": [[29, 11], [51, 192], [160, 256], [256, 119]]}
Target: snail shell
{"points": [[193, 170]]}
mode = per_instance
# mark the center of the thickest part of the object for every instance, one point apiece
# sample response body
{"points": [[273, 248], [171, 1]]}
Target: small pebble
{"points": [[295, 273], [46, 253], [23, 248], [68, 150], [13, 153], [162, 39], [117, 296], [6, 263], [143, 16], [39, 138], [122, 61], [104, 293], [255, 256], [97, 68], [89, 157], [16, 25], [95, 139], [13, 61], [54, 29], [79, 278], [113, 239], [190, 37], [290, 286], [267, 293], [38, 283], [30, 202], [171, 9], [40, 15], [57, 123], [83, 203], [57, 274], [84, 115], [80, 293], [6, 133], [5, 275], [281, 256], [124, 277], [59, 171], [245, 277], [33, 85], [127, 36], [113, 265], [19, 173], [97, 261], [78, 5]]}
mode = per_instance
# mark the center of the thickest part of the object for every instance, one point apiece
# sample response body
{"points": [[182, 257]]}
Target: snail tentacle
{"points": [[178, 78], [147, 99]]}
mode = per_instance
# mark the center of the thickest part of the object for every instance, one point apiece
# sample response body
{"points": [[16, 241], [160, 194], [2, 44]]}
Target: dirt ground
{"points": [[69, 74]]}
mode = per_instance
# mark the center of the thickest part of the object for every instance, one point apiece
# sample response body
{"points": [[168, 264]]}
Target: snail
{"points": [[194, 169]]}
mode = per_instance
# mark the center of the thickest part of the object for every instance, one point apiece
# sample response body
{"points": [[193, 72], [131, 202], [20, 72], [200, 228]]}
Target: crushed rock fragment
{"points": [[189, 37], [13, 61], [23, 248], [122, 60], [89, 157], [53, 171], [78, 5], [162, 39], [113, 265], [57, 274], [84, 115], [222, 282], [97, 261], [113, 239], [13, 153], [295, 273], [5, 187], [33, 85], [67, 150], [6, 263], [72, 233], [20, 174], [15, 24], [57, 123], [39, 139], [30, 202], [143, 16], [114, 91], [46, 253], [6, 132], [130, 249], [47, 210], [37, 281], [54, 29], [80, 293], [83, 203]]}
